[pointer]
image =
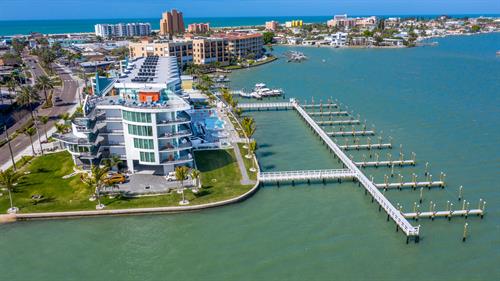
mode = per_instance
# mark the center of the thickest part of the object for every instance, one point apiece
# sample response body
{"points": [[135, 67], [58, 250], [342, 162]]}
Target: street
{"points": [[69, 99]]}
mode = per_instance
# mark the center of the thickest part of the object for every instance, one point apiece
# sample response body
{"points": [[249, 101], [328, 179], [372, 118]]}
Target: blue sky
{"points": [[85, 9]]}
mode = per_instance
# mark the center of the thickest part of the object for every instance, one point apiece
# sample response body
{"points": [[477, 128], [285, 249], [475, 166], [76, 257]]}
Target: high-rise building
{"points": [[272, 25], [243, 45], [172, 23], [122, 29], [138, 116]]}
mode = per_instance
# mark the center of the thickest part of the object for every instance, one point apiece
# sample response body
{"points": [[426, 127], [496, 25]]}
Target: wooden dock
{"points": [[308, 175], [338, 122], [366, 146], [400, 185], [265, 106], [386, 163], [328, 113], [351, 133], [321, 105], [446, 214]]}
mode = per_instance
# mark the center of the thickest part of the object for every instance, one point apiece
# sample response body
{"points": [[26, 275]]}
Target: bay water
{"points": [[440, 102]]}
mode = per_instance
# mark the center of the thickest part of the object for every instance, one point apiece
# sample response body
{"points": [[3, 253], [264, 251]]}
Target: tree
{"points": [[8, 180], [12, 85], [65, 117], [27, 97], [253, 147], [44, 120], [95, 180], [195, 174], [112, 162], [267, 37], [249, 128], [30, 132], [181, 174], [475, 28], [61, 128], [18, 45], [44, 84]]}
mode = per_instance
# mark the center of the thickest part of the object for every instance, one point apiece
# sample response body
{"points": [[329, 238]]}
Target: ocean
{"points": [[16, 27], [441, 102]]}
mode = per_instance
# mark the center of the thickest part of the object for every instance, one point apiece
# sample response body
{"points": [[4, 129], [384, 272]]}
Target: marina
{"points": [[352, 172]]}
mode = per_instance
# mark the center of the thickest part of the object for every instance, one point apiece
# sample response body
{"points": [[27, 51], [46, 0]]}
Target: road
{"points": [[68, 94]]}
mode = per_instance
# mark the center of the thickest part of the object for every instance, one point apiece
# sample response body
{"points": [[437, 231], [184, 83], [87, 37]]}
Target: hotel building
{"points": [[197, 28], [172, 23], [138, 116], [181, 49], [210, 50], [272, 25], [243, 45], [122, 30]]}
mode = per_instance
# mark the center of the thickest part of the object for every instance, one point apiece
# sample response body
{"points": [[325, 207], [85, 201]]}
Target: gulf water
{"points": [[441, 102]]}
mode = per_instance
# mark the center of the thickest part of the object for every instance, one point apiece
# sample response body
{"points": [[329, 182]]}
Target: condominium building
{"points": [[122, 30], [210, 50], [172, 23], [138, 116], [294, 23], [341, 21], [243, 45], [197, 28], [181, 49], [272, 25]]}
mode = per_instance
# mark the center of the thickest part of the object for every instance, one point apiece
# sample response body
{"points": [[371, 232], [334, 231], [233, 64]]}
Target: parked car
{"points": [[170, 176], [115, 179]]}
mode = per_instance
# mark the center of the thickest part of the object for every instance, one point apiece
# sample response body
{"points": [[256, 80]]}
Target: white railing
{"points": [[305, 175], [264, 105], [396, 215]]}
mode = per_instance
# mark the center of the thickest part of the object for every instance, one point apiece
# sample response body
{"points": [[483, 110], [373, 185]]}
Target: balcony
{"points": [[178, 159], [179, 134], [170, 147], [111, 132], [177, 121]]}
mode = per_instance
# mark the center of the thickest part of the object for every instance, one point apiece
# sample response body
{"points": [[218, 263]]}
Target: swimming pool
{"points": [[214, 123]]}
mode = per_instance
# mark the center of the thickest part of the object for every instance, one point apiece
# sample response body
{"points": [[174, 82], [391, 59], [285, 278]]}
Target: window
{"points": [[140, 117], [143, 143], [147, 156], [140, 130]]}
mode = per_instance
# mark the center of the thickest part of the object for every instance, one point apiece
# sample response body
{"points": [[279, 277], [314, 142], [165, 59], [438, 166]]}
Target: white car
{"points": [[170, 176]]}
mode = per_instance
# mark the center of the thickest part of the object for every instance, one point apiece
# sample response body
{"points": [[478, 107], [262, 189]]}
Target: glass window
{"points": [[140, 130], [147, 156], [143, 143], [140, 117]]}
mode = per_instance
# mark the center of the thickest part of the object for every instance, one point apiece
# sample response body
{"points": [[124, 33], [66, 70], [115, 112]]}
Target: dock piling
{"points": [[464, 237], [460, 191]]}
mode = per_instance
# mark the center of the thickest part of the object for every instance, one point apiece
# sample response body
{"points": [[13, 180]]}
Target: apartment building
{"points": [[210, 50], [172, 23], [197, 28], [272, 25], [243, 45], [138, 116], [122, 30], [181, 49]]}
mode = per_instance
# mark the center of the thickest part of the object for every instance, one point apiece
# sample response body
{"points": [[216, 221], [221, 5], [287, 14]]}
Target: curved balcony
{"points": [[179, 134], [177, 160], [171, 148], [177, 121]]}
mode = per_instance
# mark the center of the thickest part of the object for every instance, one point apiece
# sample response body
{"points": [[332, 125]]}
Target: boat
{"points": [[498, 53]]}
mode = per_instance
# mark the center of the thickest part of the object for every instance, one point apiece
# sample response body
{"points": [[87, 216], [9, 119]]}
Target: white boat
{"points": [[256, 95]]}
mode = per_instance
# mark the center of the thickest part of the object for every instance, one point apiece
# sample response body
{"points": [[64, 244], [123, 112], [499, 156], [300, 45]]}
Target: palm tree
{"points": [[30, 132], [253, 147], [181, 174], [249, 128], [112, 162], [95, 180], [8, 180], [195, 174], [44, 120], [44, 83], [11, 86], [28, 96], [65, 117], [61, 128]]}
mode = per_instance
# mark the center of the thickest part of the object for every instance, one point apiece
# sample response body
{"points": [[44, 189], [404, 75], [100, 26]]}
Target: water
{"points": [[14, 27], [441, 102]]}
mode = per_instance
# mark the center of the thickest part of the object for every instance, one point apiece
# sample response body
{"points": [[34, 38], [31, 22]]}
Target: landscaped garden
{"points": [[41, 187]]}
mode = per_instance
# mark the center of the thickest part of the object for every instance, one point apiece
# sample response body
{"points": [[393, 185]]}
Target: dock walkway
{"points": [[332, 174]]}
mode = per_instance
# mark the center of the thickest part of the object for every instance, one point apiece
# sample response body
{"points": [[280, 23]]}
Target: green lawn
{"points": [[220, 178]]}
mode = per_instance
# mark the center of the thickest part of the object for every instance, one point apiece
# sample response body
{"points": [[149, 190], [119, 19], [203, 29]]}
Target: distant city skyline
{"points": [[95, 9]]}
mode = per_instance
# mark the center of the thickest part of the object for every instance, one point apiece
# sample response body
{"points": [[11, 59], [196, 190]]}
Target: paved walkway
{"points": [[244, 175]]}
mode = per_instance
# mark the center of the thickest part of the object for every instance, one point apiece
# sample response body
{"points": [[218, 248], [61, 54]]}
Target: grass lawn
{"points": [[220, 178]]}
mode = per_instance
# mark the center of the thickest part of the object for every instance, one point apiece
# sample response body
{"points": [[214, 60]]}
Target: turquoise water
{"points": [[441, 102], [14, 27]]}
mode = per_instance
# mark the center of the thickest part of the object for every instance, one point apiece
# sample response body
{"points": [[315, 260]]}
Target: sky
{"points": [[105, 9]]}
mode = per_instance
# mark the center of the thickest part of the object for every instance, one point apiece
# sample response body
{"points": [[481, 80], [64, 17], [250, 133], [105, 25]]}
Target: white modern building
{"points": [[122, 30], [138, 116], [338, 39]]}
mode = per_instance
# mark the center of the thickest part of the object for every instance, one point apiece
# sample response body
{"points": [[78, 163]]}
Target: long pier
{"points": [[352, 169], [308, 175], [329, 113], [338, 122]]}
